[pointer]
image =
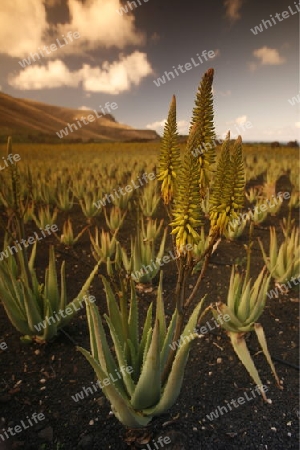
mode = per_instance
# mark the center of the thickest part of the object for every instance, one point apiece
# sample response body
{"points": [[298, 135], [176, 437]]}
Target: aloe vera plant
{"points": [[103, 245], [123, 201], [149, 199], [37, 310], [64, 197], [294, 202], [33, 308], [44, 216], [87, 203], [144, 261], [284, 262], [235, 229], [252, 194], [67, 236], [151, 230], [245, 304], [28, 211], [141, 393], [260, 212], [115, 219]]}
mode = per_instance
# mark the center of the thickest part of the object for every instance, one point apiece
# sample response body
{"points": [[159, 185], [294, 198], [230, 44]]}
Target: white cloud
{"points": [[111, 78], [182, 126], [22, 25], [241, 120], [233, 9], [157, 126], [84, 108], [268, 56], [222, 93], [118, 76], [99, 24], [54, 74], [297, 124]]}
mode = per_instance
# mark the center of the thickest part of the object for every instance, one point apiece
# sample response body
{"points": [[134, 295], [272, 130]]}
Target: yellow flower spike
{"points": [[169, 161]]}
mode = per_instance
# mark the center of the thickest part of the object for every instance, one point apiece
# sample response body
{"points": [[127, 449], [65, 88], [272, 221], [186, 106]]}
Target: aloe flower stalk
{"points": [[228, 189], [169, 162], [188, 215], [203, 119]]}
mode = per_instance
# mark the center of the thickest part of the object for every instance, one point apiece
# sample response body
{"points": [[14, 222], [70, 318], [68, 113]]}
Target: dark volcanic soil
{"points": [[43, 378]]}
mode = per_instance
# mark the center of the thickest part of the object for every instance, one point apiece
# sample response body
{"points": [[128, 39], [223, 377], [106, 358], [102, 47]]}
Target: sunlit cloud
{"points": [[111, 78], [22, 26], [96, 21], [268, 56], [158, 126], [233, 8]]}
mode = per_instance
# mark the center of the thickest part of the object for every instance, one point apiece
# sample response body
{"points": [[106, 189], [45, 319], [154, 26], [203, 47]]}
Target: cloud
{"points": [[84, 108], [233, 9], [22, 26], [53, 75], [241, 120], [97, 21], [239, 126], [297, 124], [222, 93], [269, 56], [158, 126], [111, 78], [118, 76], [99, 24], [182, 126]]}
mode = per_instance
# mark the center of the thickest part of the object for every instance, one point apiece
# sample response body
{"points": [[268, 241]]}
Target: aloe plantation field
{"points": [[97, 237]]}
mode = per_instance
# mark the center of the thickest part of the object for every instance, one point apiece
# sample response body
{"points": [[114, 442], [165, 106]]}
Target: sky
{"points": [[91, 53]]}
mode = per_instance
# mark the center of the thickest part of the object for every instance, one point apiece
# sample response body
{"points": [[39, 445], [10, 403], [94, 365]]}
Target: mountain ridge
{"points": [[37, 121]]}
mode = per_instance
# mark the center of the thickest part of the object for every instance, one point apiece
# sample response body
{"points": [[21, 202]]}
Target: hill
{"points": [[28, 120]]}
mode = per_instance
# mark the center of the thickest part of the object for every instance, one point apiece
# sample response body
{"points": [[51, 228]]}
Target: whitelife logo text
{"points": [[86, 120], [187, 66], [53, 48]]}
